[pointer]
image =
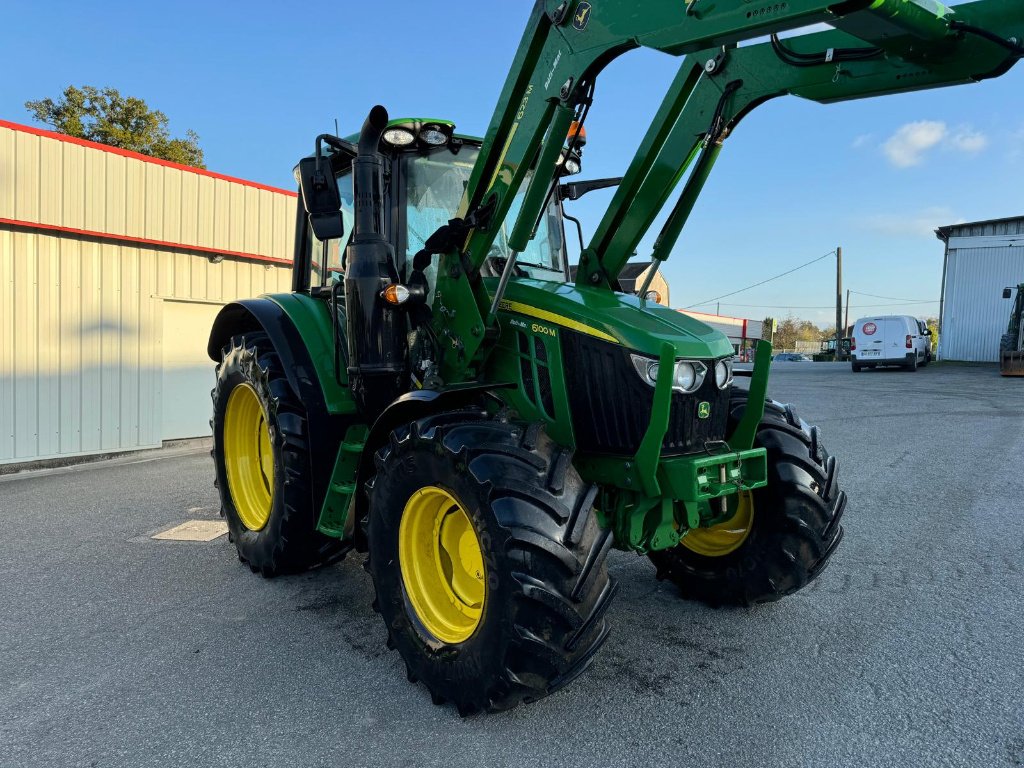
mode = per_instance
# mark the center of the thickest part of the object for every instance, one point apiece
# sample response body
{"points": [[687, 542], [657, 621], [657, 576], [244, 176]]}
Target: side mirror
{"points": [[1007, 293], [321, 197]]}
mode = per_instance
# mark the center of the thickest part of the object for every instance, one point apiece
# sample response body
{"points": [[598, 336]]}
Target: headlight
{"points": [[432, 136], [647, 368], [569, 163], [399, 137], [687, 376], [723, 373]]}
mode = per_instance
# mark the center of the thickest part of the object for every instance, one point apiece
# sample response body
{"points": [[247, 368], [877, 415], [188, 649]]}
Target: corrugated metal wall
{"points": [[53, 182], [82, 318], [981, 260]]}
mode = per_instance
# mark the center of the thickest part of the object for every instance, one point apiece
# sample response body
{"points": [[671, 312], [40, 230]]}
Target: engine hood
{"points": [[642, 326]]}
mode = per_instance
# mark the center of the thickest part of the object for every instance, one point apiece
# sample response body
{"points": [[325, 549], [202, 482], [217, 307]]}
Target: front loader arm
{"points": [[568, 43], [742, 80]]}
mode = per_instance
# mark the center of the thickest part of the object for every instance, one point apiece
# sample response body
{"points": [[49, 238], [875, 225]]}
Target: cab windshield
{"points": [[434, 187]]}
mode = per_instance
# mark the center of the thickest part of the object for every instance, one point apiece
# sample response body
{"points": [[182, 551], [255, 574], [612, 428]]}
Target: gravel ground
{"points": [[118, 650]]}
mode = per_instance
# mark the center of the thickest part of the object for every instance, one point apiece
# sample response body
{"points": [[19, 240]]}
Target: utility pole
{"points": [[839, 300], [846, 321]]}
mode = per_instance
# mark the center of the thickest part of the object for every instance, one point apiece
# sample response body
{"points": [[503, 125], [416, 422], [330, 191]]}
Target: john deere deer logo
{"points": [[704, 410], [579, 21]]}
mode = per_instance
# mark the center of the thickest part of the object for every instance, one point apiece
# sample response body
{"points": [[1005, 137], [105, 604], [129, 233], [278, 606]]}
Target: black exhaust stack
{"points": [[376, 330]]}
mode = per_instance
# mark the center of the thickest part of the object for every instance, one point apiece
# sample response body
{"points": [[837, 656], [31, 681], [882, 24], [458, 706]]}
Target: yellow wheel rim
{"points": [[727, 536], [248, 457], [442, 565]]}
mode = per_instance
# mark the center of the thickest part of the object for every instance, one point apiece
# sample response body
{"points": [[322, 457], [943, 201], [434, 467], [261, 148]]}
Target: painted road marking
{"points": [[194, 530]]}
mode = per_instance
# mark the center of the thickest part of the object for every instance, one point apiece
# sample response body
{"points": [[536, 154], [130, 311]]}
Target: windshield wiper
{"points": [[541, 266]]}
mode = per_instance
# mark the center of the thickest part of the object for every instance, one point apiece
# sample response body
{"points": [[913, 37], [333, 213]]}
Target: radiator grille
{"points": [[611, 405]]}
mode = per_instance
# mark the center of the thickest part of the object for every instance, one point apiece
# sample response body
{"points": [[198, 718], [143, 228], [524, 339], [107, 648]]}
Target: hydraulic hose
{"points": [[838, 55], [1011, 45]]}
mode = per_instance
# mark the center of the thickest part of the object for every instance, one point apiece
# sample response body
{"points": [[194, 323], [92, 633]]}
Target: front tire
{"points": [[782, 535], [261, 456], [487, 560]]}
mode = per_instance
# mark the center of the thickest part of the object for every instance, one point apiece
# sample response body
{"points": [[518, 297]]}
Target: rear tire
{"points": [[855, 368], [280, 537], [795, 525], [912, 365], [538, 617]]}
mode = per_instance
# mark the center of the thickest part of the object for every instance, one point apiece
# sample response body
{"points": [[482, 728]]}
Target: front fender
{"points": [[406, 409]]}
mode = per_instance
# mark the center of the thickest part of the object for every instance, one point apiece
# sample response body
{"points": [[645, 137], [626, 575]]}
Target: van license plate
{"points": [[870, 353]]}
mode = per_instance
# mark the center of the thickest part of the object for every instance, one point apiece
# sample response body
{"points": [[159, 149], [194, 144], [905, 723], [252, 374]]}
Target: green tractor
{"points": [[437, 393], [1011, 345]]}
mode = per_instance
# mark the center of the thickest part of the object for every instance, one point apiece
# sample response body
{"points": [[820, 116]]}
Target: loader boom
{"points": [[877, 47]]}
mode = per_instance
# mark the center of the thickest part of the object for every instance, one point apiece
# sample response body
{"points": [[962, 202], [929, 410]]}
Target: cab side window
{"points": [[327, 258]]}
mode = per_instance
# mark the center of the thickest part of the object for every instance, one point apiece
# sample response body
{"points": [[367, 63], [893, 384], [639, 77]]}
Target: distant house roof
{"points": [[627, 278]]}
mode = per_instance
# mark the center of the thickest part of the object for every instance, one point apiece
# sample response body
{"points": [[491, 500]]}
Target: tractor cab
{"points": [[427, 167]]}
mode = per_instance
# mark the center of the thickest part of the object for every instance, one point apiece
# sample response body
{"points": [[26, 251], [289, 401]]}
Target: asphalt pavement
{"points": [[120, 650]]}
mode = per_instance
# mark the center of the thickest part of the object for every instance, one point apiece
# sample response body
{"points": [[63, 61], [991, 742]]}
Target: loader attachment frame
{"points": [[876, 47]]}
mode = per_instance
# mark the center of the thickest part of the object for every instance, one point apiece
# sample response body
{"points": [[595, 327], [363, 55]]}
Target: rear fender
{"points": [[324, 429]]}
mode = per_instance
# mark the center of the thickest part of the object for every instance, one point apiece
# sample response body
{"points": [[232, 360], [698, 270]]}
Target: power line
{"points": [[756, 285], [827, 306], [888, 298]]}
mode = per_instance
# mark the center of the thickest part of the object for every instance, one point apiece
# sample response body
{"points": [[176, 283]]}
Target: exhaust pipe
{"points": [[376, 330]]}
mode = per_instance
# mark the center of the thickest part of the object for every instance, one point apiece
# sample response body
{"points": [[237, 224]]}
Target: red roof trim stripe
{"points": [[138, 156], [145, 241]]}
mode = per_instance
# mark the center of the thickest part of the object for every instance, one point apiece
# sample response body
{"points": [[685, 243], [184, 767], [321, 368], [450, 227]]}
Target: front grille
{"points": [[611, 405]]}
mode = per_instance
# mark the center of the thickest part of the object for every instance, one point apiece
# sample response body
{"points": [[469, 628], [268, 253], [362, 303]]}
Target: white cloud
{"points": [[912, 142], [921, 223], [969, 141], [906, 147]]}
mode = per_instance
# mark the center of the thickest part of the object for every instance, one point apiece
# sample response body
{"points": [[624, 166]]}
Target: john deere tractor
{"points": [[1011, 345], [436, 392]]}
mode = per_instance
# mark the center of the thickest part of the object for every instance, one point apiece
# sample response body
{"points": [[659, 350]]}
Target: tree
{"points": [[791, 330], [933, 326], [127, 122]]}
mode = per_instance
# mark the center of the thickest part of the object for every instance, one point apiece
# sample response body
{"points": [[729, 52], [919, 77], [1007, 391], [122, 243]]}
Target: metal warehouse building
{"points": [[981, 259], [112, 268]]}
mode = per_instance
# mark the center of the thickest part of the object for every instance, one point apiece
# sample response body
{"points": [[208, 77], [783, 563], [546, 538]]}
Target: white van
{"points": [[891, 340]]}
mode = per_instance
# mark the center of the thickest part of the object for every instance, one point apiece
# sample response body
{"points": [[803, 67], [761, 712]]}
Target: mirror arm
{"points": [[574, 220], [574, 190]]}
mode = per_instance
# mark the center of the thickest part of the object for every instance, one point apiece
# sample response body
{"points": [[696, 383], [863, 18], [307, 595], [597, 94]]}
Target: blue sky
{"points": [[258, 80]]}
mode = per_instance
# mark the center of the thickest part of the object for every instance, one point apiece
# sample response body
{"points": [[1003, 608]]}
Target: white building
{"points": [[739, 330], [981, 259], [112, 268]]}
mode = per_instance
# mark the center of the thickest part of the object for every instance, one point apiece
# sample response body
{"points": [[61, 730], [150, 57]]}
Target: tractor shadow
{"points": [[339, 598], [658, 641]]}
